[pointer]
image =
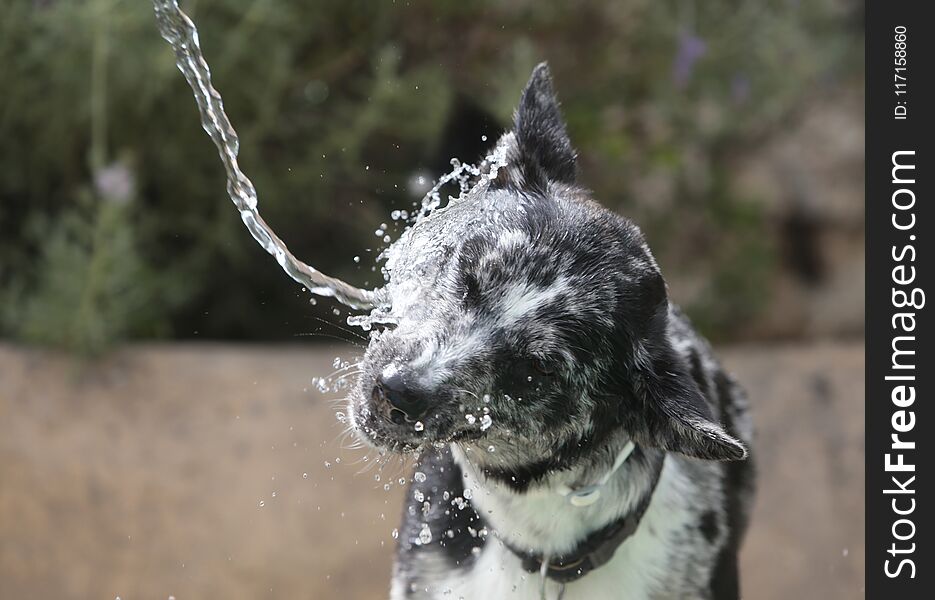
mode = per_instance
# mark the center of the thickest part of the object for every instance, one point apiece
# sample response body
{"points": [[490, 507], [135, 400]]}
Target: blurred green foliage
{"points": [[338, 104], [91, 286]]}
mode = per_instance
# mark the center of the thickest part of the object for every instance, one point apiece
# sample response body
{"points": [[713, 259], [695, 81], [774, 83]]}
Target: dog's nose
{"points": [[394, 391]]}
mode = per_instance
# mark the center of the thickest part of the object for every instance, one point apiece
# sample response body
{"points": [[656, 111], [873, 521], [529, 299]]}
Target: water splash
{"points": [[472, 181], [179, 30]]}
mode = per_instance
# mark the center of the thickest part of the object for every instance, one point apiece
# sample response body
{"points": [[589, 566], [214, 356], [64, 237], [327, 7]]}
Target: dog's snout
{"points": [[402, 398]]}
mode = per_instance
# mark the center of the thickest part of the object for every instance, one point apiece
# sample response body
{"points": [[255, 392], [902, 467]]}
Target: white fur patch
{"points": [[513, 237], [521, 299]]}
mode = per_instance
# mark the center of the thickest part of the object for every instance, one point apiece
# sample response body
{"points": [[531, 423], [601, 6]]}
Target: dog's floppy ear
{"points": [[679, 418], [542, 143]]}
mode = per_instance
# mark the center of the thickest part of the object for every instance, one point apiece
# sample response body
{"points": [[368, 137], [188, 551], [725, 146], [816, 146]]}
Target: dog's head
{"points": [[530, 322]]}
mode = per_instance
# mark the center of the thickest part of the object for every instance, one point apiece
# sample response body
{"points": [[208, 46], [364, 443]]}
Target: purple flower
{"points": [[690, 49], [115, 183]]}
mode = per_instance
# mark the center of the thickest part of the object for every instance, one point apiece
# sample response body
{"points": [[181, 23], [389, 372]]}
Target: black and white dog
{"points": [[575, 437]]}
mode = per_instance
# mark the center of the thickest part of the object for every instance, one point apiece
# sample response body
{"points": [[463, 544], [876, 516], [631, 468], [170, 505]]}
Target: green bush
{"points": [[90, 288], [337, 104]]}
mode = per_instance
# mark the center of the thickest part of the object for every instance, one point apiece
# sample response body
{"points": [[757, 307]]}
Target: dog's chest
{"points": [[665, 558]]}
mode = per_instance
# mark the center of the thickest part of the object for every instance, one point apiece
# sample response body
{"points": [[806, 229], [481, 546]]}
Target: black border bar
{"points": [[900, 168]]}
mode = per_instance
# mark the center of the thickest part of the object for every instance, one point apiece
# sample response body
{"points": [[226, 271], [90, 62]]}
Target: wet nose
{"points": [[394, 391]]}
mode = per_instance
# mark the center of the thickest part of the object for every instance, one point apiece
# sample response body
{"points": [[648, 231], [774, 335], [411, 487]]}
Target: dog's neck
{"points": [[539, 516]]}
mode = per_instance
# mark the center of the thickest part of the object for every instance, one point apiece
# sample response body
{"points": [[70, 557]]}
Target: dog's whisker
{"points": [[356, 334], [330, 336]]}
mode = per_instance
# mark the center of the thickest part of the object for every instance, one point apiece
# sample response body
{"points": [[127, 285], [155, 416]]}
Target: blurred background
{"points": [[160, 433]]}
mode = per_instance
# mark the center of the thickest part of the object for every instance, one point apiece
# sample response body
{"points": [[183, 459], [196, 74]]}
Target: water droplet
{"points": [[262, 503], [356, 259], [419, 476], [425, 534], [418, 426], [468, 494], [395, 533], [471, 419], [304, 475], [485, 422], [491, 449], [327, 464], [418, 495]]}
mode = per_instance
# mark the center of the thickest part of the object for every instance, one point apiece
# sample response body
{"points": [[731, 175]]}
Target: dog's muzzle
{"points": [[402, 402]]}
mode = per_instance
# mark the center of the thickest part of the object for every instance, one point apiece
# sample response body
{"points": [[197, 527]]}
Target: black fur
{"points": [[545, 150], [447, 511], [738, 483]]}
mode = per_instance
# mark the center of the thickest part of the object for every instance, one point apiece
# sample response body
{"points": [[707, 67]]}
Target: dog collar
{"points": [[589, 494], [597, 548]]}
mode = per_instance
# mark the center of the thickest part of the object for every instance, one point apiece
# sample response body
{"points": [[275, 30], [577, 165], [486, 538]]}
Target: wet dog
{"points": [[575, 437]]}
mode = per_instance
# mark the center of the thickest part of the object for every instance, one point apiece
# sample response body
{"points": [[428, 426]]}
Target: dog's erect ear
{"points": [[679, 419], [542, 142]]}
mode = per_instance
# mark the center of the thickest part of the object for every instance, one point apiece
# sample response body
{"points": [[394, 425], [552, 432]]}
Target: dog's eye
{"points": [[543, 366]]}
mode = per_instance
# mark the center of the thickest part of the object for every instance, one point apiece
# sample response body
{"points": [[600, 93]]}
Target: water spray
{"points": [[179, 30]]}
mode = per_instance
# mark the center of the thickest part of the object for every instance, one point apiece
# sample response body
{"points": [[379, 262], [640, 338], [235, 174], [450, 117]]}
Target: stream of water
{"points": [[179, 30]]}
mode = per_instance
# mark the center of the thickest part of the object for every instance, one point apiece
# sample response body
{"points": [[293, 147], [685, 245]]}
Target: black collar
{"points": [[592, 552]]}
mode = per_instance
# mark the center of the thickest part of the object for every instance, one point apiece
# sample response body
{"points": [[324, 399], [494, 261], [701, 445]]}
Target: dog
{"points": [[575, 437]]}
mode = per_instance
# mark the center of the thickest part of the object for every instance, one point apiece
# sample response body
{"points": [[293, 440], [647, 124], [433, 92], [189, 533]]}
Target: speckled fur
{"points": [[538, 325]]}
